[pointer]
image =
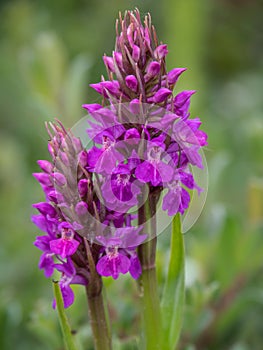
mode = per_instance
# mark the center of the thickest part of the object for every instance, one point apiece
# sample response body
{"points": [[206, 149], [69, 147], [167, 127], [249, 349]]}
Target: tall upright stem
{"points": [[150, 298], [98, 320], [98, 314]]}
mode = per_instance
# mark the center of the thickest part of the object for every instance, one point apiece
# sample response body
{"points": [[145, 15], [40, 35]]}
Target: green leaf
{"points": [[174, 289], [65, 327]]}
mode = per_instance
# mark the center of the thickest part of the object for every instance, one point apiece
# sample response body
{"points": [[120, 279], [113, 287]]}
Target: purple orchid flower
{"points": [[177, 198], [113, 263], [120, 189], [142, 139], [103, 160], [118, 258], [154, 169], [66, 245]]}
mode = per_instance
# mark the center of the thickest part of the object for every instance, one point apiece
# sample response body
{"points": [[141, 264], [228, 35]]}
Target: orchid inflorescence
{"points": [[143, 146]]}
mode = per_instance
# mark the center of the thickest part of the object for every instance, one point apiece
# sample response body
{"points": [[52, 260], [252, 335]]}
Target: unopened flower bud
{"points": [[43, 179], [45, 165], [109, 63], [56, 197], [83, 159], [161, 95], [160, 51], [153, 69], [81, 208], [83, 187], [174, 74], [60, 179], [136, 53], [131, 82]]}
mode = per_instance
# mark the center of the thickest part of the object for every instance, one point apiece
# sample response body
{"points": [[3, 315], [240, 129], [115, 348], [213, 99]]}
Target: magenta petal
{"points": [[113, 265], [46, 263], [45, 209], [187, 179], [183, 97], [111, 86], [64, 247], [93, 156], [107, 160], [165, 171], [67, 268], [124, 263], [99, 88], [42, 243], [92, 107], [171, 202], [103, 266], [132, 134], [193, 156], [131, 239], [185, 200], [40, 221], [201, 137], [135, 267], [144, 171], [67, 295]]}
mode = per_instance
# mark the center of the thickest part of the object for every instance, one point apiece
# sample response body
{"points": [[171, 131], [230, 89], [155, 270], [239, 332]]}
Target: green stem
{"points": [[150, 298], [174, 289], [98, 320], [65, 327], [98, 314]]}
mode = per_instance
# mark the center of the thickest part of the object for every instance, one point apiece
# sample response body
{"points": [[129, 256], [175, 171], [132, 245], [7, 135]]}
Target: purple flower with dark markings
{"points": [[66, 245], [177, 198], [113, 263], [120, 260], [104, 159], [154, 169], [120, 188]]}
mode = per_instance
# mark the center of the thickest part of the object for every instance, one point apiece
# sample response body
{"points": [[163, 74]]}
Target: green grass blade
{"points": [[65, 327], [174, 289]]}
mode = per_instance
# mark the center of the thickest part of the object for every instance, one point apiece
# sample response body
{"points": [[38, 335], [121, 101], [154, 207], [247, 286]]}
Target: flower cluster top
{"points": [[143, 144]]}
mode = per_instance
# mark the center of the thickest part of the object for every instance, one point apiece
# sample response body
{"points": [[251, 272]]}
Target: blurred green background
{"points": [[49, 52]]}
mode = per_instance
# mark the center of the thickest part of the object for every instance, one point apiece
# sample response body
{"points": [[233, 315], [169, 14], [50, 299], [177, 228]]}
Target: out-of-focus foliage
{"points": [[50, 52]]}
